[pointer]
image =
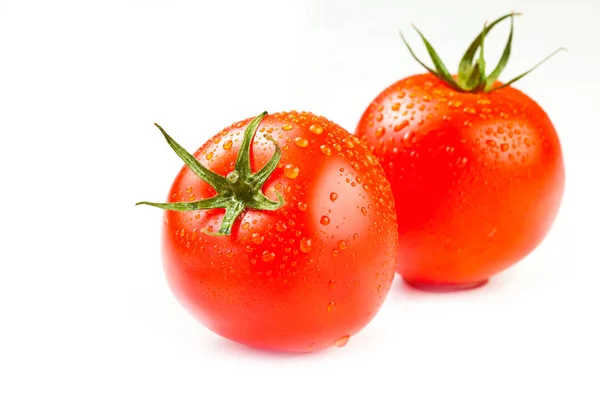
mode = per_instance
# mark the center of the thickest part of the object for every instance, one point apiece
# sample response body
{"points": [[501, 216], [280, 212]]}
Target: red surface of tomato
{"points": [[301, 277], [477, 176]]}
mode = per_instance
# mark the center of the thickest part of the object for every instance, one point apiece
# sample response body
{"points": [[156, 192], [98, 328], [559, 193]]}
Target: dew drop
{"points": [[257, 238], [379, 132], [349, 144], [337, 146], [342, 245], [325, 150], [227, 144], [301, 142], [281, 226], [267, 256], [331, 284], [379, 117], [305, 245], [333, 196], [491, 143], [330, 306], [316, 129], [245, 225], [396, 106], [302, 206], [209, 155], [325, 220], [291, 171], [364, 211], [286, 127], [343, 341], [504, 147]]}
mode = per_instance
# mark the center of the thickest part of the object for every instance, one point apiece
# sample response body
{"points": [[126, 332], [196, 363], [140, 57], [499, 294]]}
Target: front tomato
{"points": [[301, 271]]}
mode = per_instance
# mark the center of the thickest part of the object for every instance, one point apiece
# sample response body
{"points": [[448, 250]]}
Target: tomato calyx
{"points": [[239, 190], [471, 75]]}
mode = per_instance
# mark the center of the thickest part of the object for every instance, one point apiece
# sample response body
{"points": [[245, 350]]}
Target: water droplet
{"points": [[333, 196], [189, 189], [455, 104], [301, 142], [302, 206], [331, 284], [469, 110], [527, 142], [209, 155], [349, 144], [325, 220], [316, 129], [281, 226], [267, 256], [364, 211], [291, 171], [504, 147], [396, 106], [335, 253], [227, 144], [287, 127], [491, 143], [337, 146], [342, 245], [257, 238], [379, 132], [379, 117], [330, 306], [305, 245], [343, 341], [355, 165], [245, 225], [325, 150]]}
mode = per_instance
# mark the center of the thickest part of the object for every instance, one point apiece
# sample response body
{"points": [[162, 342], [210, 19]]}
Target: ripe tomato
{"points": [[302, 270], [476, 171]]}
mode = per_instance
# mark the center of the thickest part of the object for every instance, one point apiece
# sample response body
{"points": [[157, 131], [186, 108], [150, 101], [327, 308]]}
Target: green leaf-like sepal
{"points": [[239, 190]]}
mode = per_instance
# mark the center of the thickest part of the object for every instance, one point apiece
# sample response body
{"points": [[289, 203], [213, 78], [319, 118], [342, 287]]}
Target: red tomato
{"points": [[301, 276], [477, 176]]}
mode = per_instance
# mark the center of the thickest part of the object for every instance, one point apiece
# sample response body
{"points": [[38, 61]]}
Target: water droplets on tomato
{"points": [[325, 220], [333, 196], [302, 206], [267, 256], [326, 150], [286, 127], [342, 245], [257, 238], [343, 341], [316, 129], [291, 171], [301, 142], [330, 306], [305, 245], [227, 144]]}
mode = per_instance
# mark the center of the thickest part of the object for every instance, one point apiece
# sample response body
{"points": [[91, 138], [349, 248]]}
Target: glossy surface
{"points": [[306, 276], [477, 178]]}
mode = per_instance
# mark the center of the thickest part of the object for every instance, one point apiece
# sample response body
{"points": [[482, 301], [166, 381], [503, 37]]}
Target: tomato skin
{"points": [[477, 178], [289, 279]]}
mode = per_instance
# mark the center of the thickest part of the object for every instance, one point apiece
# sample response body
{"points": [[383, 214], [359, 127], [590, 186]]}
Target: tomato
{"points": [[476, 171], [298, 258]]}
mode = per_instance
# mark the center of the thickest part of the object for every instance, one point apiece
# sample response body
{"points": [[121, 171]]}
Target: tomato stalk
{"points": [[471, 76], [239, 190]]}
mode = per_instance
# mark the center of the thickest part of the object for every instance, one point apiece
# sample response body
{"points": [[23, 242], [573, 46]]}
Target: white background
{"points": [[84, 307]]}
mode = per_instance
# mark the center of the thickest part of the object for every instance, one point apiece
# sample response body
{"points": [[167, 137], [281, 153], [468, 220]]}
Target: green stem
{"points": [[239, 190], [472, 76]]}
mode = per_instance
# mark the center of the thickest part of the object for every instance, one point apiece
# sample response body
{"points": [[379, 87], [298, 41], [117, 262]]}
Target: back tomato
{"points": [[477, 177], [302, 277]]}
